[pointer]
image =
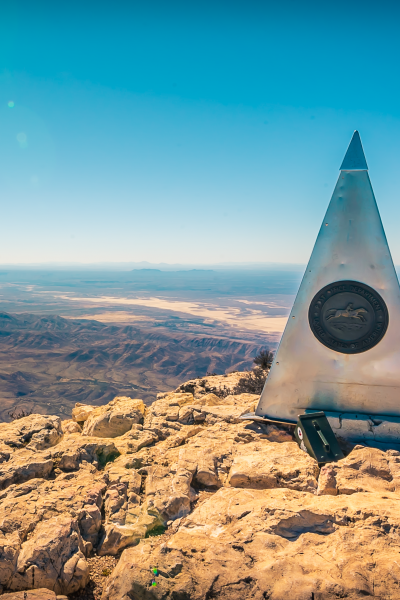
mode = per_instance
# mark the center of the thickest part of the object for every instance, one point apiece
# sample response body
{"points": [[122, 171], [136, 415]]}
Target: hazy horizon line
{"points": [[129, 265]]}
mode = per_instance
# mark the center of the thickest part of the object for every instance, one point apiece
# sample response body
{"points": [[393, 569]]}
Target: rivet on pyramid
{"points": [[340, 351]]}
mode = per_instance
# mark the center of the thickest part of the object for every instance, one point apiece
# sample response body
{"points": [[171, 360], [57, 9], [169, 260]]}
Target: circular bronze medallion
{"points": [[348, 316]]}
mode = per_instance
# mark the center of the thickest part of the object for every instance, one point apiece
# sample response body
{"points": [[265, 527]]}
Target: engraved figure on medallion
{"points": [[346, 316], [349, 311]]}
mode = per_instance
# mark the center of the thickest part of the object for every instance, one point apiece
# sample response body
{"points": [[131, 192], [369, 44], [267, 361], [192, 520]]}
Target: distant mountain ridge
{"points": [[48, 363], [144, 265]]}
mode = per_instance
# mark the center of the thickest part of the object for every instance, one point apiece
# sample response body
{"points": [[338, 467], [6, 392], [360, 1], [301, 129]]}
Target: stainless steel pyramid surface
{"points": [[354, 159], [340, 351]]}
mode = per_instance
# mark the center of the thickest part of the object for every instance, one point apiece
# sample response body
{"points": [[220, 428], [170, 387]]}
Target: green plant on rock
{"points": [[159, 530], [106, 458]]}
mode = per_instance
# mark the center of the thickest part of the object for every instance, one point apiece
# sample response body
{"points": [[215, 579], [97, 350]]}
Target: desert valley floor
{"points": [[77, 336]]}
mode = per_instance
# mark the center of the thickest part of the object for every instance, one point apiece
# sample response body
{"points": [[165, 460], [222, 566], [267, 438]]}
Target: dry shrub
{"points": [[264, 359], [19, 413], [252, 383]]}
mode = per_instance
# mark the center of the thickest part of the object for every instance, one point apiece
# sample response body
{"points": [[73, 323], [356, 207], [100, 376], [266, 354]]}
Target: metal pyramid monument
{"points": [[340, 351]]}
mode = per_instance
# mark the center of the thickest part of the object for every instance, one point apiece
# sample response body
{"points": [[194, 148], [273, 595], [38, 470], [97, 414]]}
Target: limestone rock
{"points": [[70, 426], [26, 506], [221, 385], [212, 400], [207, 451], [135, 439], [24, 465], [238, 500], [231, 410], [121, 471], [50, 519], [214, 449], [126, 520], [169, 493], [159, 427], [327, 484], [10, 547], [363, 470], [52, 558], [115, 418], [267, 465], [81, 412], [42, 594], [272, 544], [75, 449], [169, 400], [185, 409], [35, 432]]}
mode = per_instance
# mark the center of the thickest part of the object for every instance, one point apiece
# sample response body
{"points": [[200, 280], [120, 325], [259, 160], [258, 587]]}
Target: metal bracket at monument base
{"points": [[312, 432], [314, 435], [375, 431]]}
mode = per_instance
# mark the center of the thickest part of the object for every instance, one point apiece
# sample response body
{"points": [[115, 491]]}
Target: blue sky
{"points": [[190, 132]]}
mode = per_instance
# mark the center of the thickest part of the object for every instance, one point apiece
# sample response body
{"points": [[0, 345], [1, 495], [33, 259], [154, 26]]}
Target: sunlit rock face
{"points": [[222, 508], [114, 419]]}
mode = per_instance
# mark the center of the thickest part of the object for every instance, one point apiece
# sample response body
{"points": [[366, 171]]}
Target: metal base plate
{"points": [[377, 431], [254, 417]]}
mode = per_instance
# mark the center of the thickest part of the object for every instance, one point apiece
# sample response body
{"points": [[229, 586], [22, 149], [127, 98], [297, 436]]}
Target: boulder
{"points": [[363, 470], [121, 471], [193, 456], [35, 432], [135, 439], [115, 418], [127, 522], [81, 412], [24, 465], [53, 557], [74, 450], [10, 547], [70, 426], [169, 493], [25, 507], [172, 399]]}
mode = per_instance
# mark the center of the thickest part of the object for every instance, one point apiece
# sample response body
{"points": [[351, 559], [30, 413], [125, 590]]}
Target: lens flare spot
{"points": [[22, 139], [11, 104]]}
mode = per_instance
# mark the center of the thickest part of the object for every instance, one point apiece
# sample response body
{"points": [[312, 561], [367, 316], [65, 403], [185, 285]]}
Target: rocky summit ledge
{"points": [[184, 501]]}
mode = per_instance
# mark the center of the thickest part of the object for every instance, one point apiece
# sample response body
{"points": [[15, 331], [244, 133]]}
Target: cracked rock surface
{"points": [[218, 507], [274, 543]]}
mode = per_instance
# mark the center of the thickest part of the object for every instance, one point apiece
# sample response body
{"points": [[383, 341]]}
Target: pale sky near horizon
{"points": [[190, 132]]}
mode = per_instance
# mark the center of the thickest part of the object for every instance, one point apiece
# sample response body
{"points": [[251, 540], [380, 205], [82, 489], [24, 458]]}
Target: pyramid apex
{"points": [[354, 159]]}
